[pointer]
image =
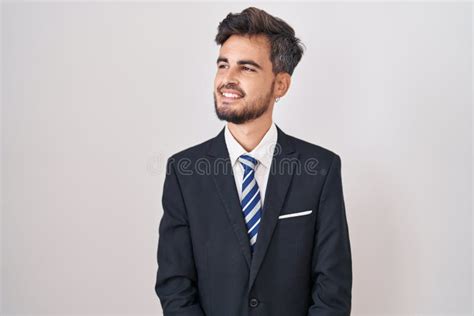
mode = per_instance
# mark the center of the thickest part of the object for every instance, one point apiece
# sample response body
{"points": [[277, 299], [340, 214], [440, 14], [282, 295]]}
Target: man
{"points": [[254, 219]]}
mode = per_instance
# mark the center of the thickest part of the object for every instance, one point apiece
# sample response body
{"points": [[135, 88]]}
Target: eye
{"points": [[248, 69], [221, 66]]}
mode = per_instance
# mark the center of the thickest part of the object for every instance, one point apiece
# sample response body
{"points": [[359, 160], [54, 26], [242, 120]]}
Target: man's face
{"points": [[244, 82]]}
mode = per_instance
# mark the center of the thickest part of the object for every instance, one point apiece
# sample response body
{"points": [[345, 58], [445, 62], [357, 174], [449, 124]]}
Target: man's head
{"points": [[258, 55]]}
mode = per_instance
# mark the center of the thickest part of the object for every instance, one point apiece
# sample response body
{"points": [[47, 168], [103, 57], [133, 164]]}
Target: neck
{"points": [[249, 134]]}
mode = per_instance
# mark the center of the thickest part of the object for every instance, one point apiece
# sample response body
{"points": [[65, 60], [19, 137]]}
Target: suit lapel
{"points": [[279, 179], [281, 172], [227, 191]]}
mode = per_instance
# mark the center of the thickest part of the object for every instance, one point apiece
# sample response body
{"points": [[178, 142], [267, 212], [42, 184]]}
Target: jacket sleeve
{"points": [[332, 263], [176, 277]]}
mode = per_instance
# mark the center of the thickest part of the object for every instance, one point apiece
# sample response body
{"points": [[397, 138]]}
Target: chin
{"points": [[227, 104]]}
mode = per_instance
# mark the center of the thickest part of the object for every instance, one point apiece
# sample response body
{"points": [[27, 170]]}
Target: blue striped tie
{"points": [[251, 204]]}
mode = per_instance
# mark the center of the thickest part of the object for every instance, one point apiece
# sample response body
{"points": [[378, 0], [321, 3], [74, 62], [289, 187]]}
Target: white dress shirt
{"points": [[263, 153]]}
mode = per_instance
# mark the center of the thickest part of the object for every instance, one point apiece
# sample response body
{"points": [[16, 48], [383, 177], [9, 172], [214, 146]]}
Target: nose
{"points": [[231, 76]]}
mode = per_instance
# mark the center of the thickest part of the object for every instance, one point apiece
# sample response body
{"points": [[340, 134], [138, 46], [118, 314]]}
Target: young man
{"points": [[254, 221]]}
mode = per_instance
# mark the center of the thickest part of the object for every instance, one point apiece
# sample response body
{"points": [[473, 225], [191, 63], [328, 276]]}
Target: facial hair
{"points": [[249, 111]]}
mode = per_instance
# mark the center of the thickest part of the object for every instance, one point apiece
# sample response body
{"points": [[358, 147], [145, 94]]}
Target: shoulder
{"points": [[308, 149], [193, 152]]}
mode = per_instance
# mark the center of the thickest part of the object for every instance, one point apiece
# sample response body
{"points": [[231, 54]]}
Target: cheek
{"points": [[217, 80], [251, 91], [256, 87]]}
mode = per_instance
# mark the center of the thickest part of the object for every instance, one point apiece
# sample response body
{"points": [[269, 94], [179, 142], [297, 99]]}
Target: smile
{"points": [[231, 95]]}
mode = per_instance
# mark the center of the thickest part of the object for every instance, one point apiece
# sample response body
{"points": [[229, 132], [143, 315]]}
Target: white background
{"points": [[96, 96]]}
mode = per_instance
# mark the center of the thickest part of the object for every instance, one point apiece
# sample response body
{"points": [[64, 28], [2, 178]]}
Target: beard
{"points": [[249, 111]]}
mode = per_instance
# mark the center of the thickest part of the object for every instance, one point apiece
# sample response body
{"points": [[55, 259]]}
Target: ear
{"points": [[282, 84]]}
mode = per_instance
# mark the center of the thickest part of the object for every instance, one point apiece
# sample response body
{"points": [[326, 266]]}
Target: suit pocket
{"points": [[293, 240], [292, 226], [295, 214]]}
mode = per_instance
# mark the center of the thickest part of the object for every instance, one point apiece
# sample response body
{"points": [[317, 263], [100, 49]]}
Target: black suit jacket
{"points": [[301, 265]]}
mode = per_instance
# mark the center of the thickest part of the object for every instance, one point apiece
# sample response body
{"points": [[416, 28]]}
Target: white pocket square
{"points": [[296, 214]]}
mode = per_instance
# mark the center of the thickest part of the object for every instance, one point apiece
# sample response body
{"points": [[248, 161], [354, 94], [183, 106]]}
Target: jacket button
{"points": [[253, 302]]}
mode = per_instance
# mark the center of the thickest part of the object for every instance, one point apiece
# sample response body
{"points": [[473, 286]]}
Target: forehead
{"points": [[256, 47]]}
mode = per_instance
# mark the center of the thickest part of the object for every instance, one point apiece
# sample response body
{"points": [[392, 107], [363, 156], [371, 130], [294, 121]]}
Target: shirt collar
{"points": [[263, 152]]}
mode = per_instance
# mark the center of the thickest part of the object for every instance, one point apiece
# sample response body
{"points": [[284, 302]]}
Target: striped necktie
{"points": [[251, 204]]}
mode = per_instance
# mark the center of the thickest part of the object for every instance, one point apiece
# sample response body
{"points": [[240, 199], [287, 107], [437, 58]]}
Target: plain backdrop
{"points": [[97, 95]]}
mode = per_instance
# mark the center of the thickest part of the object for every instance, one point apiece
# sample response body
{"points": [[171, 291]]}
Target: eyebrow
{"points": [[240, 62]]}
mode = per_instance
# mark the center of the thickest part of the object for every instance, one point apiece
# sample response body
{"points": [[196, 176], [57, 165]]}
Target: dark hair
{"points": [[286, 50]]}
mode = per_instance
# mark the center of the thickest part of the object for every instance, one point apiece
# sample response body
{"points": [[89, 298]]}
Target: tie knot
{"points": [[248, 161]]}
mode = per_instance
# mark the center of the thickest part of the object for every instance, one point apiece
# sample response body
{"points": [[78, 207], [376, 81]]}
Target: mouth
{"points": [[230, 96]]}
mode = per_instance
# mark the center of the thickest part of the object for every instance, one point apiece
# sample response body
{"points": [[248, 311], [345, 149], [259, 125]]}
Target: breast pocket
{"points": [[293, 237], [293, 225], [295, 214]]}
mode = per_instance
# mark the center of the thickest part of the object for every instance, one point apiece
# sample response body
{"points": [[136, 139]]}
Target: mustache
{"points": [[232, 87]]}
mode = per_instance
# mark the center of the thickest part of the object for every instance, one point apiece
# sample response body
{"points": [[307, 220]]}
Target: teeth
{"points": [[230, 95]]}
